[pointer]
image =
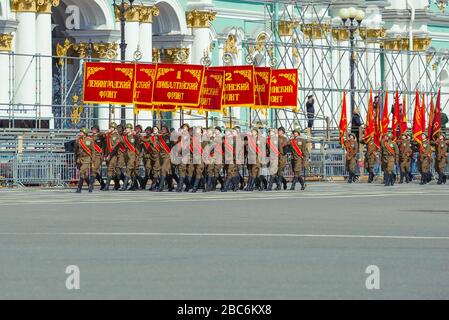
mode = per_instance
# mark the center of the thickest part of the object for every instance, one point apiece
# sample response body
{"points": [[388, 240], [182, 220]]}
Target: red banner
{"points": [[164, 108], [262, 76], [144, 82], [212, 93], [108, 82], [178, 85], [284, 88], [239, 86]]}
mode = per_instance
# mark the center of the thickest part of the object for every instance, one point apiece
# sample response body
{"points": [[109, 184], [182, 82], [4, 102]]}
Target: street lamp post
{"points": [[123, 8], [355, 17]]}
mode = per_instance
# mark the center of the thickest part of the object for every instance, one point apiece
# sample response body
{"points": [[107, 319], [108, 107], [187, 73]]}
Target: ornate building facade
{"points": [[401, 44]]}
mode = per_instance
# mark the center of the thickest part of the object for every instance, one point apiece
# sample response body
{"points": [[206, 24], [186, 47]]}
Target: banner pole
{"points": [[207, 119]]}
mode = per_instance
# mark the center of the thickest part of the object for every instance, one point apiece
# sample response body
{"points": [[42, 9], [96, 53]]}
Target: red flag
{"points": [[403, 127], [370, 119], [396, 114], [423, 113], [431, 115], [385, 119], [377, 129], [436, 123], [417, 121], [343, 121]]}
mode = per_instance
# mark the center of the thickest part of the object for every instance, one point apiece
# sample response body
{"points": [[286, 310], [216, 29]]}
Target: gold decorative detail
{"points": [[218, 78], [156, 55], [175, 55], [195, 73], [44, 6], [265, 76], [150, 73], [61, 51], [397, 44], [340, 34], [129, 72], [77, 110], [230, 44], [245, 73], [6, 42], [315, 30], [261, 41], [163, 71], [93, 70], [285, 28], [289, 76], [23, 5], [105, 50], [146, 13], [372, 35], [200, 19]]}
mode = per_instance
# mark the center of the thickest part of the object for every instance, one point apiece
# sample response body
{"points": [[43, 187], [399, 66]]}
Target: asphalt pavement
{"points": [[323, 243]]}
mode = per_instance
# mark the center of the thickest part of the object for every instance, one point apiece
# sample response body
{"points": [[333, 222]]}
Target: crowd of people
{"points": [[188, 159]]}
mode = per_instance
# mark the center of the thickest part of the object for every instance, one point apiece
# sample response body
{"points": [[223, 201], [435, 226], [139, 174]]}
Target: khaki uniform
{"points": [[164, 155], [370, 156], [214, 168], [441, 151], [98, 153], [130, 142], [298, 159], [405, 155], [112, 152], [389, 156], [425, 157], [84, 148], [282, 159], [252, 146], [151, 149], [351, 156]]}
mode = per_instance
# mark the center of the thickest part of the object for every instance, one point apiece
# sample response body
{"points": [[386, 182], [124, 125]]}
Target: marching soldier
{"points": [[151, 149], [121, 158], [231, 168], [216, 160], [282, 158], [130, 142], [165, 146], [351, 147], [441, 152], [84, 148], [405, 157], [299, 158], [196, 150], [112, 148], [183, 139], [253, 154], [138, 181], [98, 155], [370, 158], [425, 159], [389, 158]]}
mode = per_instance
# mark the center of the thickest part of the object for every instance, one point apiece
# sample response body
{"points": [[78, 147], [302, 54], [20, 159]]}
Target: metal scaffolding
{"points": [[303, 35]]}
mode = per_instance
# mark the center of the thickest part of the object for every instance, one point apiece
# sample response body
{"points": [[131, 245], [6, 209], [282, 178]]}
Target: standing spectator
{"points": [[310, 111], [356, 123]]}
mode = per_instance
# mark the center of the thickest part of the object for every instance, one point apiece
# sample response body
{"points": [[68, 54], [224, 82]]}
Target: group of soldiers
{"points": [[397, 156], [125, 149]]}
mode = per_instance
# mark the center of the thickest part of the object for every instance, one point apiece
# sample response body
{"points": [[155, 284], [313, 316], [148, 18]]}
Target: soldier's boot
{"points": [[270, 183], [161, 184], [227, 185], [102, 183], [188, 181], [125, 184], [386, 179], [444, 178], [370, 177], [401, 179], [429, 177], [144, 183], [284, 182], [278, 182], [134, 184], [423, 179], [302, 182], [154, 184], [116, 183], [236, 181], [393, 179], [222, 182], [440, 179], [294, 181], [214, 184], [407, 177], [264, 182], [180, 184], [108, 184], [249, 184], [80, 185], [350, 177], [91, 181], [196, 182], [170, 183], [240, 180]]}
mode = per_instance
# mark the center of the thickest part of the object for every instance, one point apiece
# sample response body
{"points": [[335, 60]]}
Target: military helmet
{"points": [[139, 126], [352, 135], [129, 125], [84, 130], [113, 125], [96, 127], [148, 129], [185, 125], [281, 129], [218, 128], [298, 130]]}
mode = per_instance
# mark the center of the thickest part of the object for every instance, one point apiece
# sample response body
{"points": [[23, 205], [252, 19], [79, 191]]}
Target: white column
{"points": [[25, 64], [145, 118], [132, 30], [201, 43], [4, 74], [45, 75]]}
